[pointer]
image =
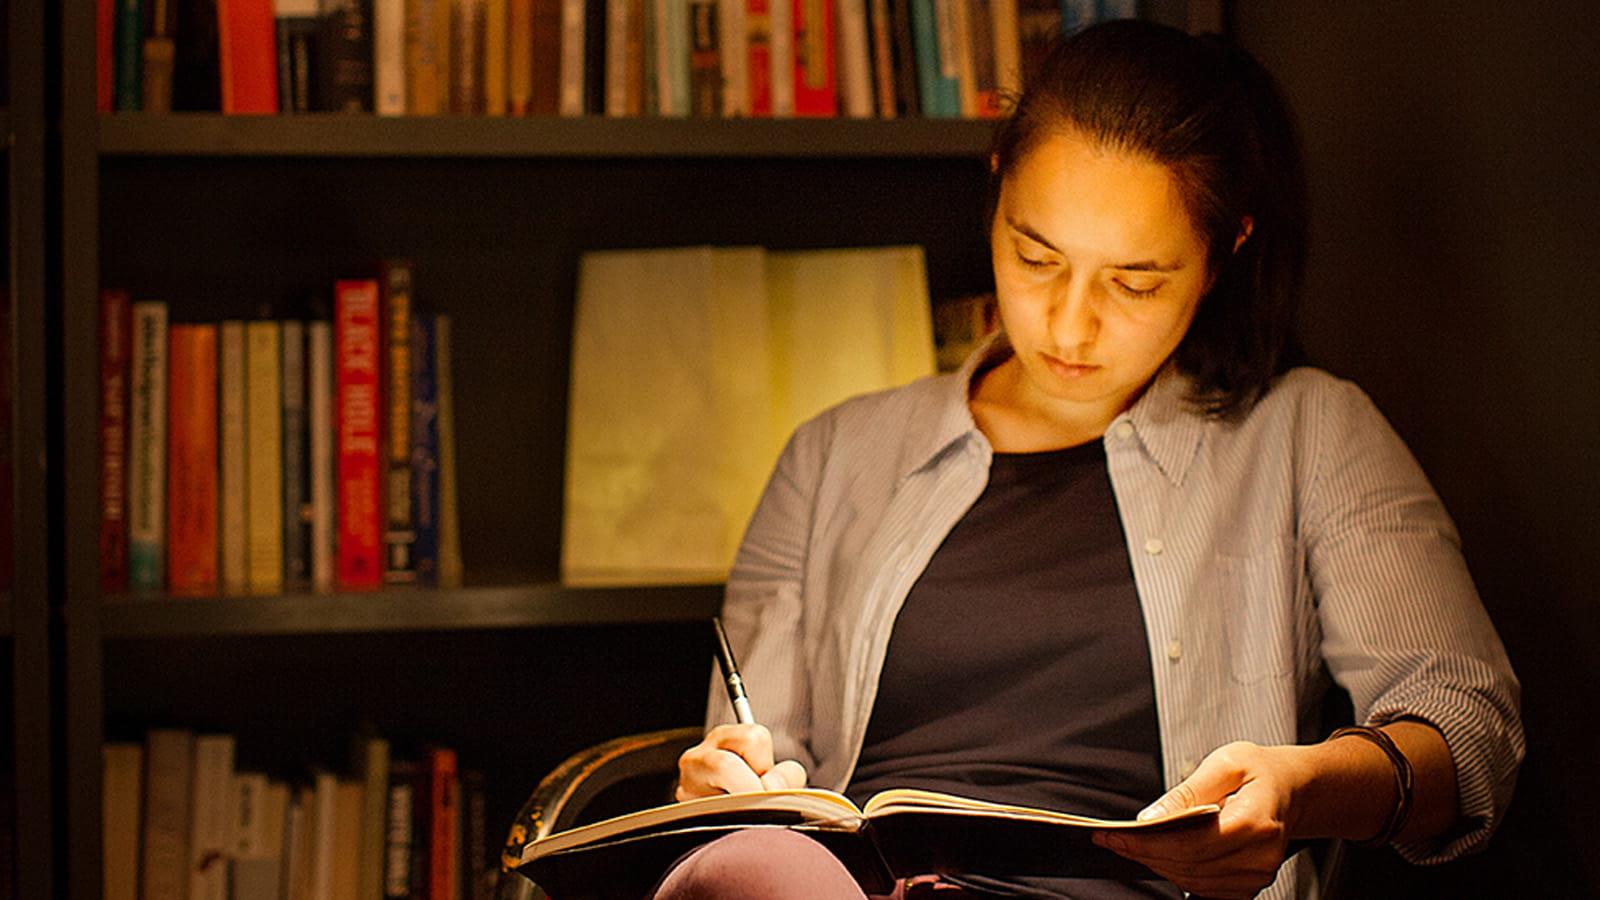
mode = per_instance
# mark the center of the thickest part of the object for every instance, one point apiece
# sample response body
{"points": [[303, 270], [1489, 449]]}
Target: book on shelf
{"points": [[164, 840], [212, 817], [620, 58], [121, 789], [240, 440], [895, 834], [147, 444], [399, 526]]}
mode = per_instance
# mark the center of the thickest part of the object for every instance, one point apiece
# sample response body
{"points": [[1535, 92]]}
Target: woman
{"points": [[1118, 555]]}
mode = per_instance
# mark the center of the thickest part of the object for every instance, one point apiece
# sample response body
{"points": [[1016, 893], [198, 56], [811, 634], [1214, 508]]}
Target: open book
{"points": [[898, 833]]}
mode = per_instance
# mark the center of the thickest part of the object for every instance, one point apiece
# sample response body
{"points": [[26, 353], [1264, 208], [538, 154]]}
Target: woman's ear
{"points": [[994, 163], [1246, 226]]}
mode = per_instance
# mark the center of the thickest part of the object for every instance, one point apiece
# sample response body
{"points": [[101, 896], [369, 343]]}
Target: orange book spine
{"points": [[443, 813], [192, 460], [247, 47], [814, 72]]}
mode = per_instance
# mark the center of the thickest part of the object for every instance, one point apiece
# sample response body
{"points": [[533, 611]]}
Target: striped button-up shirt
{"points": [[1299, 542]]}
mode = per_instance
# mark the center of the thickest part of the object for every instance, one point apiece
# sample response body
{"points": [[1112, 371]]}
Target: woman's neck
{"points": [[1015, 423]]}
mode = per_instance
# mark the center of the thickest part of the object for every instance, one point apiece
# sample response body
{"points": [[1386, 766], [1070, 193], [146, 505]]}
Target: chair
{"points": [[563, 797]]}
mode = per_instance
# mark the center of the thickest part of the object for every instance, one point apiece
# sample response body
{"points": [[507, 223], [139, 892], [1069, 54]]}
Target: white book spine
{"points": [[389, 57], [733, 48], [666, 97], [147, 448], [211, 834], [320, 400], [617, 15], [572, 40], [235, 447], [780, 14], [855, 67], [323, 845]]}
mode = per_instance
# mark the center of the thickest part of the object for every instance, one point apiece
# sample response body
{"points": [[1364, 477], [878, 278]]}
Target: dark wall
{"points": [[1452, 155]]}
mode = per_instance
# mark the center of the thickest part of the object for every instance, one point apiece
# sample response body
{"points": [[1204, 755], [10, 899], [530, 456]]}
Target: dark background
{"points": [[1451, 151]]}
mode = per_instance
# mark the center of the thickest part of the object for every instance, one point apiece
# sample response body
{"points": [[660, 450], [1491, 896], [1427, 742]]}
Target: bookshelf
{"points": [[25, 643], [220, 216]]}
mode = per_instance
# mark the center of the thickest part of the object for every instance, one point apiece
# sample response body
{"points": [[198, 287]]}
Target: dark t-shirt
{"points": [[1018, 670]]}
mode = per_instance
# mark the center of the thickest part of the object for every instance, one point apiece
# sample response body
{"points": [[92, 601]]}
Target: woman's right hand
{"points": [[732, 759]]}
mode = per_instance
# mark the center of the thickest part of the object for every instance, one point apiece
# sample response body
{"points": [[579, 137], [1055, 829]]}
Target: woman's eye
{"points": [[1030, 262], [1138, 292]]}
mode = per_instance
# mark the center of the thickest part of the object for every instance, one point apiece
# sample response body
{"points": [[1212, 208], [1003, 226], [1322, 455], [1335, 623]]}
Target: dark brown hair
{"points": [[1210, 113]]}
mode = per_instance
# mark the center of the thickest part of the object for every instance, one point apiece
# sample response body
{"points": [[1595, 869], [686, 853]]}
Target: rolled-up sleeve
{"points": [[1403, 628], [762, 608]]}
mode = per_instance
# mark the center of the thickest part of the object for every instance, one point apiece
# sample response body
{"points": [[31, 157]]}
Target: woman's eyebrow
{"points": [[1026, 230], [1148, 265], [1143, 265]]}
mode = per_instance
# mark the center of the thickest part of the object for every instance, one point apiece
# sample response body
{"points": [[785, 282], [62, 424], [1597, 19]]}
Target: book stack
{"points": [[703, 58], [180, 819], [274, 456]]}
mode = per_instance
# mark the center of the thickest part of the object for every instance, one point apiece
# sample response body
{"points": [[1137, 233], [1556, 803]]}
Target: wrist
{"points": [[1343, 788]]}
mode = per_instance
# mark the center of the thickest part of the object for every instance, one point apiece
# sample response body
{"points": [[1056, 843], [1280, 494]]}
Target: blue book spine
{"points": [[1106, 10], [940, 94], [424, 450], [1077, 14]]}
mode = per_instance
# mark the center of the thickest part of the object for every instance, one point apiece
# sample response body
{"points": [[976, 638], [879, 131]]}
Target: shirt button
{"points": [[1124, 430], [1154, 546], [1174, 649]]}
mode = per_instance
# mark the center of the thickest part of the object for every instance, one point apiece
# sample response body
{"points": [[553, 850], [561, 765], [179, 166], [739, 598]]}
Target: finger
{"points": [[752, 742], [1217, 776], [719, 771], [786, 775]]}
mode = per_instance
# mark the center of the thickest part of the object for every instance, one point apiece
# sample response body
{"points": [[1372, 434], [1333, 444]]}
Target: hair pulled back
{"points": [[1212, 115]]}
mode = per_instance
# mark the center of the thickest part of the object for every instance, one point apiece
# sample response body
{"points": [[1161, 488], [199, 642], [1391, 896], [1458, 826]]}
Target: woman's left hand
{"points": [[1238, 854]]}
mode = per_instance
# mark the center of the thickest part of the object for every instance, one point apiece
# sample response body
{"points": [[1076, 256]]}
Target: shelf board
{"points": [[346, 135], [406, 609]]}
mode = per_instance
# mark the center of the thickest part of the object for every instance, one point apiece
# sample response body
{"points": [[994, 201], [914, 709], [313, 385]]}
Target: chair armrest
{"points": [[562, 795]]}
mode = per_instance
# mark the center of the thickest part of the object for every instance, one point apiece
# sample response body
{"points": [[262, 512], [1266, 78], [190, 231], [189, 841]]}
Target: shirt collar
{"points": [[1168, 428]]}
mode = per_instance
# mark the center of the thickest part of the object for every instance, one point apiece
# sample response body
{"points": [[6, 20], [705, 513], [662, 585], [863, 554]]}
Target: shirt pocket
{"points": [[1255, 601]]}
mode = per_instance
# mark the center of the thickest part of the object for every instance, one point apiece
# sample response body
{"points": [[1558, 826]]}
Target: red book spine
{"points": [[192, 460], [356, 385], [814, 93], [116, 345], [759, 57], [105, 56], [247, 47], [444, 811]]}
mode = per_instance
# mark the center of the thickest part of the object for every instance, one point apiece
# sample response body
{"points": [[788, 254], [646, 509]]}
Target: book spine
{"points": [[466, 57], [780, 31], [115, 347], [356, 409], [443, 812], [475, 844], [324, 835], [347, 834], [211, 834], [936, 91], [105, 52], [130, 55], [883, 69], [705, 68], [399, 527], [904, 49], [616, 40], [121, 791], [594, 58], [296, 460], [494, 57], [264, 458], [247, 47], [450, 564], [733, 52], [1039, 26], [672, 57], [547, 57], [519, 57], [814, 59], [854, 71], [147, 442], [159, 52], [759, 57], [573, 19], [235, 461], [635, 89], [981, 24], [192, 462], [426, 79], [196, 76], [297, 844], [400, 836], [344, 79], [1106, 10], [164, 855], [962, 56], [424, 451], [389, 57], [1007, 51], [372, 765], [319, 401]]}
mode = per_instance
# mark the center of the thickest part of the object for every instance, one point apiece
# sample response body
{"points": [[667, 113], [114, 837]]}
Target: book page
{"points": [[904, 800], [804, 806]]}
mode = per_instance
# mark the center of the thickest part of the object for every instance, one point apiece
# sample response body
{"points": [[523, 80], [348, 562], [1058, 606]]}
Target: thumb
{"points": [[784, 775], [1211, 783]]}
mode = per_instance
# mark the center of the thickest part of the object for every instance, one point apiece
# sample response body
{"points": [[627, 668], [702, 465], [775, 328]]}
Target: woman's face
{"points": [[1098, 273]]}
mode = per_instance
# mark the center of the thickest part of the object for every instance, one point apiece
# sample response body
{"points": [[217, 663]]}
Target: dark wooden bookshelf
{"points": [[340, 135], [401, 609], [5, 615]]}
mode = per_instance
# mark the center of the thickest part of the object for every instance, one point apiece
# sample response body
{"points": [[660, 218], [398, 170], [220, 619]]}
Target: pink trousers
{"points": [[776, 864]]}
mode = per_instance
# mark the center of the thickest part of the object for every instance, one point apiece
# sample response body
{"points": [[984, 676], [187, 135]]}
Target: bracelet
{"points": [[1403, 781]]}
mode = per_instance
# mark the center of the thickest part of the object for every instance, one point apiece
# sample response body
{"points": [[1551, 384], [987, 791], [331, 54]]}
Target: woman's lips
{"points": [[1069, 369]]}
